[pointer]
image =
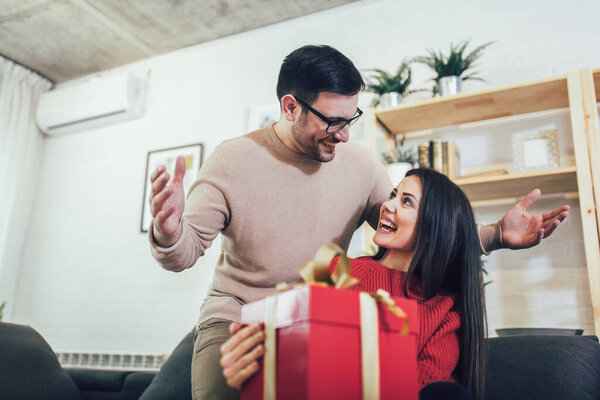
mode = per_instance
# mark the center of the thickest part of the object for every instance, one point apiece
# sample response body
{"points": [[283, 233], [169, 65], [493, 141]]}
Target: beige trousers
{"points": [[208, 381]]}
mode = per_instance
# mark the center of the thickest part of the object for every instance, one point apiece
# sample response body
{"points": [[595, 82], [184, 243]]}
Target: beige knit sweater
{"points": [[274, 208]]}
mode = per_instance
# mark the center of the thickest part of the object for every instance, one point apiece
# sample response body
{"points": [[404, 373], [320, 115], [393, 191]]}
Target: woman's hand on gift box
{"points": [[240, 353]]}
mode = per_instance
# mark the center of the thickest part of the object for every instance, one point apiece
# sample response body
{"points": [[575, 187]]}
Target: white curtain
{"points": [[20, 152]]}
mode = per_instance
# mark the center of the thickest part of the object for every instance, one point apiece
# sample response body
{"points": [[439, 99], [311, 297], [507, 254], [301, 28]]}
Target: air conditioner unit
{"points": [[96, 102]]}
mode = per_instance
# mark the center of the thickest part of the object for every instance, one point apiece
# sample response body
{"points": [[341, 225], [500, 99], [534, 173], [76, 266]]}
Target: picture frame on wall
{"points": [[261, 115], [167, 157], [536, 149]]}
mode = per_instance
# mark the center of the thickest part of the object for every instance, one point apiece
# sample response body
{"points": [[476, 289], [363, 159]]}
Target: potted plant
{"points": [[398, 162], [391, 88], [484, 271], [451, 69], [2, 310]]}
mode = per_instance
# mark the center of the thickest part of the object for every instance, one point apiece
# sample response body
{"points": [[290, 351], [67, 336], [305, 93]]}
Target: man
{"points": [[278, 194]]}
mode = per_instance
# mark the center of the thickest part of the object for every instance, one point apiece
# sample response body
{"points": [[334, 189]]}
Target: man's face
{"points": [[309, 131]]}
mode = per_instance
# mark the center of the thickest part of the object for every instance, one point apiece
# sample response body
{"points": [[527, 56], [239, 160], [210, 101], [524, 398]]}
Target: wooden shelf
{"points": [[596, 74], [557, 180], [488, 104]]}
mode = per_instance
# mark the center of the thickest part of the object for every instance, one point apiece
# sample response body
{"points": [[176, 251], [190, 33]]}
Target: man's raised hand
{"points": [[167, 201]]}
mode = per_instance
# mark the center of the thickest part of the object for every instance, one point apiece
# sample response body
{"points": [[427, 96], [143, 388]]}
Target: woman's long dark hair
{"points": [[447, 256]]}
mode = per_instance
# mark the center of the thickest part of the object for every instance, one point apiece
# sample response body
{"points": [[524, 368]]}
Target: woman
{"points": [[429, 252]]}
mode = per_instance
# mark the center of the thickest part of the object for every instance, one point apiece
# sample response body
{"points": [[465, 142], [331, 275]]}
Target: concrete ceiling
{"points": [[66, 39]]}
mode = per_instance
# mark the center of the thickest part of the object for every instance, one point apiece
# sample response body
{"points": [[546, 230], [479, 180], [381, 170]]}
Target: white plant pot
{"points": [[390, 99], [449, 85], [397, 171]]}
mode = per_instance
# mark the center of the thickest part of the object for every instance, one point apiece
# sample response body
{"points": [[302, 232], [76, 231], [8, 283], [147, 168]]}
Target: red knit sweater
{"points": [[437, 341]]}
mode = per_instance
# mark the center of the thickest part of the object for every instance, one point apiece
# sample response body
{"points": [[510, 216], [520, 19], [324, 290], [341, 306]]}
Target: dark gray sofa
{"points": [[519, 367]]}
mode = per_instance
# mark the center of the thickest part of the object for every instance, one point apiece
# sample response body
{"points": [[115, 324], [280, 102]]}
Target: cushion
{"points": [[111, 385], [543, 367], [29, 369], [137, 382], [99, 380], [174, 380]]}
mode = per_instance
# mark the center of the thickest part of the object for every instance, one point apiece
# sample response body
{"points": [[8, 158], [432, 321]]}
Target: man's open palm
{"points": [[521, 230], [167, 201]]}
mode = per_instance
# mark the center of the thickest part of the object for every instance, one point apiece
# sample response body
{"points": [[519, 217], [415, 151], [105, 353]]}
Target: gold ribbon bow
{"points": [[385, 298], [317, 271]]}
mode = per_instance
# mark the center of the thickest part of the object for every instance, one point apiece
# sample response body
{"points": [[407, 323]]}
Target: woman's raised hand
{"points": [[521, 230], [240, 353]]}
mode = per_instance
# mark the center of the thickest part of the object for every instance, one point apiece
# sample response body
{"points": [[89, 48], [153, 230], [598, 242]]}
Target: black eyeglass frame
{"points": [[330, 121]]}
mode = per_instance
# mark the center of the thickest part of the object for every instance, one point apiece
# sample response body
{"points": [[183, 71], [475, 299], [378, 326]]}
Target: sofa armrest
{"points": [[29, 367], [543, 367]]}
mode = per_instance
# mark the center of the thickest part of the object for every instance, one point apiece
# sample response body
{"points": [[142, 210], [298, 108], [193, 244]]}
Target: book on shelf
{"points": [[438, 161], [440, 156], [424, 155]]}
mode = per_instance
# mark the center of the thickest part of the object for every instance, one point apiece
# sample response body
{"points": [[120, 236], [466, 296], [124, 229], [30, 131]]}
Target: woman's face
{"points": [[398, 218]]}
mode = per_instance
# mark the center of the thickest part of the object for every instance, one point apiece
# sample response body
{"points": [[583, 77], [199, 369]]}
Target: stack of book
{"points": [[441, 156]]}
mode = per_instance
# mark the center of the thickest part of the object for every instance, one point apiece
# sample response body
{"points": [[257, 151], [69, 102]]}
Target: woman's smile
{"points": [[386, 225]]}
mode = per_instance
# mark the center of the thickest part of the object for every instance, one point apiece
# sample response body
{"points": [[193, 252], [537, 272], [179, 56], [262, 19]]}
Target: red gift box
{"points": [[318, 346]]}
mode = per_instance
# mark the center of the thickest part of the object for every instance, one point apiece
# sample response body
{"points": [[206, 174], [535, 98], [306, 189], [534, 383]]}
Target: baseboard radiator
{"points": [[112, 361]]}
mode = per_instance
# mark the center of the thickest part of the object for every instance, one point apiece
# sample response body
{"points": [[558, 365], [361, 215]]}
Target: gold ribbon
{"points": [[369, 340], [317, 271], [270, 350], [385, 298]]}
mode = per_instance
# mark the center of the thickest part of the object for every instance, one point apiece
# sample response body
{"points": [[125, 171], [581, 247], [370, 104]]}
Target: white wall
{"points": [[87, 279]]}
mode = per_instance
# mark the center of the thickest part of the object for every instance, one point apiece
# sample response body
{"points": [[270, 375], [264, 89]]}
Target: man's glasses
{"points": [[333, 125]]}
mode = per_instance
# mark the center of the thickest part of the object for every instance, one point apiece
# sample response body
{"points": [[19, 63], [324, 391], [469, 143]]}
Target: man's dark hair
{"points": [[310, 70]]}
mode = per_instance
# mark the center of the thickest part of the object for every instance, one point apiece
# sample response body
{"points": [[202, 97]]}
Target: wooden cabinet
{"points": [[578, 93]]}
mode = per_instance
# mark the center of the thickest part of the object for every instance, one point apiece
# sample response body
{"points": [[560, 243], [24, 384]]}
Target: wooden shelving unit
{"points": [[558, 180], [478, 106], [578, 91], [596, 77]]}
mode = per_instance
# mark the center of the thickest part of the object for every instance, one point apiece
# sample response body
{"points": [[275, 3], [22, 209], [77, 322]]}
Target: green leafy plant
{"points": [[2, 310], [484, 271], [456, 63], [382, 82], [399, 154]]}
